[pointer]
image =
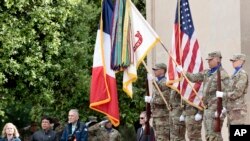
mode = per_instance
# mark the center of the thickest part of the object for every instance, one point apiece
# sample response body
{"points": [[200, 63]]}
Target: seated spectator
{"points": [[10, 133], [141, 136], [74, 130], [46, 133]]}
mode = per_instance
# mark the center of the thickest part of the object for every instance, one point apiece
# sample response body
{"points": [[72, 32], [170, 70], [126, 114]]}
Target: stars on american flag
{"points": [[186, 51], [186, 18]]}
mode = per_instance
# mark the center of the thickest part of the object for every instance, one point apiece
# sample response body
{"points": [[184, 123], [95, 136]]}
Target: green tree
{"points": [[46, 53]]}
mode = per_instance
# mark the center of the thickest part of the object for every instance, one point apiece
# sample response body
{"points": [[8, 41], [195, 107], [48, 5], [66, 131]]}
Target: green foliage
{"points": [[128, 133], [45, 56], [46, 53]]}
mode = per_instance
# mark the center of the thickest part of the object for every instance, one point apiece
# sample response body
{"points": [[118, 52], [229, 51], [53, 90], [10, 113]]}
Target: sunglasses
{"points": [[141, 117]]}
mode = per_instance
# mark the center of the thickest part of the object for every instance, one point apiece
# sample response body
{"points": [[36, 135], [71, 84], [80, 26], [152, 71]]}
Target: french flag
{"points": [[103, 92]]}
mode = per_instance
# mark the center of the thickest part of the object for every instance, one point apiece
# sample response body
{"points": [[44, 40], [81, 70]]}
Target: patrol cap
{"points": [[211, 55], [106, 118], [238, 57], [92, 118], [160, 66]]}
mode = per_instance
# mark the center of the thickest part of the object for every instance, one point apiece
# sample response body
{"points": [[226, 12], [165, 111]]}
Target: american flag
{"points": [[185, 50]]}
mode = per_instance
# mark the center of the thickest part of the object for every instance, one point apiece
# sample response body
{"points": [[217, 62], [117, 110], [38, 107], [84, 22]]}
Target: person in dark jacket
{"points": [[141, 136], [46, 133], [74, 130]]}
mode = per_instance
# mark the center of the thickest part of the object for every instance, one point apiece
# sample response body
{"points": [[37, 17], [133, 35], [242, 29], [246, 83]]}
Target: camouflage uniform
{"points": [[177, 128], [92, 121], [193, 127], [236, 106], [209, 98], [26, 135], [27, 132], [160, 113], [102, 134]]}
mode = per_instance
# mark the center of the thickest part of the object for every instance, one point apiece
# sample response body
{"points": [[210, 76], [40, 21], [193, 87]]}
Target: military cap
{"points": [[160, 66], [238, 57], [211, 55], [92, 118]]}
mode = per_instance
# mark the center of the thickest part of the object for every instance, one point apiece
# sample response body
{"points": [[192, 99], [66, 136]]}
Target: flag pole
{"points": [[148, 113], [184, 75], [157, 87], [179, 38]]}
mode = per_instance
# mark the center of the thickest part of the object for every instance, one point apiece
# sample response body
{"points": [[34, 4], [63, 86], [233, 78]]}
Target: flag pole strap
{"points": [[157, 87], [185, 76]]}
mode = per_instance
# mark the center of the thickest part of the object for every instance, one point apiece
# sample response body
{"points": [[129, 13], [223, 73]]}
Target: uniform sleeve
{"points": [[157, 97], [119, 138], [225, 86], [165, 92], [94, 127], [200, 111], [197, 77], [239, 87]]}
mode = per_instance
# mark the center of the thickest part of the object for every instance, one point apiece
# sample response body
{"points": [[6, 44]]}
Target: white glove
{"points": [[150, 77], [103, 122], [216, 114], [87, 123], [197, 117], [219, 94], [182, 118], [223, 111], [148, 99], [179, 68]]}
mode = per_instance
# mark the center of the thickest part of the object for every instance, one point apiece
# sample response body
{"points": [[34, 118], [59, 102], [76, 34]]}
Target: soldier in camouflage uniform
{"points": [[236, 106], [92, 121], [28, 131], [193, 122], [104, 131], [177, 126], [159, 111], [209, 79]]}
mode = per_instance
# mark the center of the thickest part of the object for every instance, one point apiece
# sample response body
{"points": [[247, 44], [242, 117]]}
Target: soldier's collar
{"points": [[214, 69], [236, 69], [160, 78]]}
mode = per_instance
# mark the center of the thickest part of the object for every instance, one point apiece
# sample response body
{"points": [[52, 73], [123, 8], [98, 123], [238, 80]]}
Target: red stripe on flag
{"points": [[100, 98], [103, 92], [185, 50]]}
